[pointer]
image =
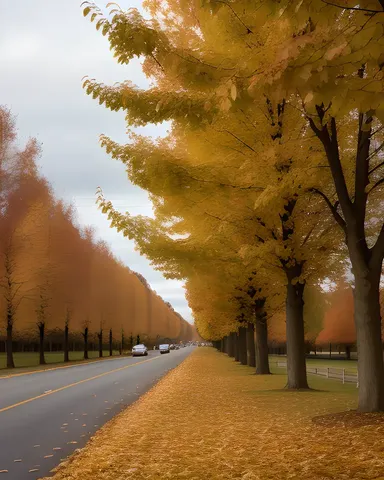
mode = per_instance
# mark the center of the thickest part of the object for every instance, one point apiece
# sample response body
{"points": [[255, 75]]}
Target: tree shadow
{"points": [[349, 419]]}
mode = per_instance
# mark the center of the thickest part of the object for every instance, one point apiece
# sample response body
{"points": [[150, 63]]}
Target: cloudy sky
{"points": [[46, 47]]}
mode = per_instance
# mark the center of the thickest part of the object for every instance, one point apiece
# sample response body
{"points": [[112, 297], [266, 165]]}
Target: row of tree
{"points": [[56, 276], [270, 182]]}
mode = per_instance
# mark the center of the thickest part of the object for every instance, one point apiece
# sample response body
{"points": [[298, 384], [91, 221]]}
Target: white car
{"points": [[139, 350], [165, 348]]}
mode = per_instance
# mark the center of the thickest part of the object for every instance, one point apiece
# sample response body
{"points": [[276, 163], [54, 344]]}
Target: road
{"points": [[47, 415]]}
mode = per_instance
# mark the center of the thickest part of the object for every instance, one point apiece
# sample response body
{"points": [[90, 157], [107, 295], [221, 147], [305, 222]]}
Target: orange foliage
{"points": [[338, 320], [58, 267]]}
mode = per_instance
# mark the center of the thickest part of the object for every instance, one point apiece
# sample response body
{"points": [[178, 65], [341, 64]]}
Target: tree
{"points": [[223, 135], [338, 326], [17, 174], [68, 315], [324, 60]]}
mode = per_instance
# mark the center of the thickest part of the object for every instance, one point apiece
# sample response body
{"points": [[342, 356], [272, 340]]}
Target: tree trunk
{"points": [[10, 362], [348, 352], [251, 353], [262, 359], [366, 262], [100, 337], [231, 345], [330, 350], [41, 343], [236, 343], [85, 335], [66, 343], [296, 366], [243, 345], [110, 342], [368, 333]]}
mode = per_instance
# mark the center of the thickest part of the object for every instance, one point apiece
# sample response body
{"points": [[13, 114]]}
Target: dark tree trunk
{"points": [[262, 358], [243, 345], [100, 337], [85, 335], [110, 343], [369, 351], [330, 350], [221, 345], [296, 366], [231, 344], [348, 352], [236, 343], [66, 343], [41, 343], [366, 261], [10, 362], [251, 353]]}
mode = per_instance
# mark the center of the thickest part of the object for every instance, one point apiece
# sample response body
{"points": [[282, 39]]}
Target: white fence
{"points": [[346, 376]]}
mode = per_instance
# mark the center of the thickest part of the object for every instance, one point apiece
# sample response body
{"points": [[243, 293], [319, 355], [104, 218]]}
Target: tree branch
{"points": [[241, 141], [236, 15], [377, 184], [355, 8], [362, 169], [379, 165], [339, 219], [378, 250]]}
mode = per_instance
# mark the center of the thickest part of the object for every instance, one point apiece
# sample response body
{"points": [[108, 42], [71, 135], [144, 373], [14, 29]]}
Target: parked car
{"points": [[164, 348], [139, 351]]}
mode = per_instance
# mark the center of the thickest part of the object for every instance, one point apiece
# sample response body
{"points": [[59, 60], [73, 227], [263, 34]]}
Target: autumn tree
{"points": [[17, 171], [338, 325], [321, 58]]}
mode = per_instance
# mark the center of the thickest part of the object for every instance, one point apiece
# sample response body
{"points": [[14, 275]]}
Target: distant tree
{"points": [[67, 321]]}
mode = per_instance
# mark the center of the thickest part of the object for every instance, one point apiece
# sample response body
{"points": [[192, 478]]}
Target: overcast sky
{"points": [[46, 47]]}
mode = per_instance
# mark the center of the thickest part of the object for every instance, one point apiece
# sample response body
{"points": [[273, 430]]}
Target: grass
{"points": [[26, 360], [347, 364], [211, 418], [350, 365]]}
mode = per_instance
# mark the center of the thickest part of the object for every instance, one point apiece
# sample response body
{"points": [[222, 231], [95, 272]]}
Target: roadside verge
{"points": [[211, 418]]}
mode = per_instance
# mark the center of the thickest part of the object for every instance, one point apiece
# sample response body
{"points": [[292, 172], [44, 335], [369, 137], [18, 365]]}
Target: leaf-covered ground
{"points": [[211, 418]]}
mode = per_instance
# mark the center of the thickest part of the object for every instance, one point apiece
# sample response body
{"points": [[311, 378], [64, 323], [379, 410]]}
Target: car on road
{"points": [[139, 350], [164, 348]]}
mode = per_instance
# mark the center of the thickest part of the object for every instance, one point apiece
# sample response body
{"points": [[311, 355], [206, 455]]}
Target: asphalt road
{"points": [[47, 415]]}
